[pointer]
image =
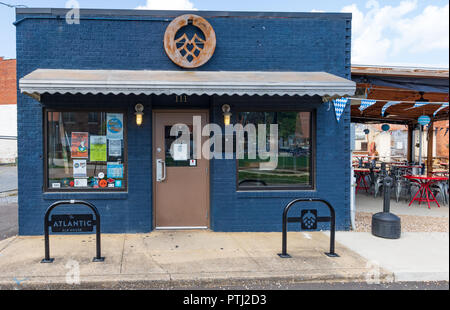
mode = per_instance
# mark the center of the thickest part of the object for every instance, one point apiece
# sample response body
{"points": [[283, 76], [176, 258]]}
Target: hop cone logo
{"points": [[309, 220]]}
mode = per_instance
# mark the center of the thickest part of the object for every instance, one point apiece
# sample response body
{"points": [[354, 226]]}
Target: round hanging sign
{"points": [[385, 127], [424, 120], [366, 131], [185, 51]]}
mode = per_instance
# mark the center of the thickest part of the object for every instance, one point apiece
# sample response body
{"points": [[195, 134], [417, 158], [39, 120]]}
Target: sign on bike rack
{"points": [[309, 219], [69, 223]]}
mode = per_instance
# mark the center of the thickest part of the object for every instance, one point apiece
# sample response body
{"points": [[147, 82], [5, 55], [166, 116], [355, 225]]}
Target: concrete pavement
{"points": [[179, 258], [416, 256], [369, 204]]}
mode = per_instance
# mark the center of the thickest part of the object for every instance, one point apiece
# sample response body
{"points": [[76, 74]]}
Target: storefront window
{"points": [[293, 168], [85, 151]]}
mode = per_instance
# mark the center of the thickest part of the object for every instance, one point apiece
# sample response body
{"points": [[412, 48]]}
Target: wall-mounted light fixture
{"points": [[226, 114], [139, 113]]}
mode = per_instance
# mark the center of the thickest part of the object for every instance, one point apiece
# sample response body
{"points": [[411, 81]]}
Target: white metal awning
{"points": [[148, 82]]}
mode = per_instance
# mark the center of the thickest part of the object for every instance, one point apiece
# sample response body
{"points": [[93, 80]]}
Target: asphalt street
{"points": [[8, 201], [8, 178], [8, 219]]}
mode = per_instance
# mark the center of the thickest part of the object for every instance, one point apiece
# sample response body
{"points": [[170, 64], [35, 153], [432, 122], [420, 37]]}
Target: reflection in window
{"points": [[85, 150], [294, 152]]}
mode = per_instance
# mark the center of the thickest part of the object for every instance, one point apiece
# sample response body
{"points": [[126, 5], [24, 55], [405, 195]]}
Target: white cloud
{"points": [[167, 5], [388, 34]]}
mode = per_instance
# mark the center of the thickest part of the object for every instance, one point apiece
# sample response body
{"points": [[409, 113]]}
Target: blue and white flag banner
{"points": [[365, 103], [419, 104], [387, 105], [339, 107], [443, 106]]}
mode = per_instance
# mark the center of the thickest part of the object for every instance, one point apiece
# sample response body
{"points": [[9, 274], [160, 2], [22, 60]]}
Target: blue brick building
{"points": [[79, 138]]}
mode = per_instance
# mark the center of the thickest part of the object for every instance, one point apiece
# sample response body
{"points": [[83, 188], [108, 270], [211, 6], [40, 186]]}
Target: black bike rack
{"points": [[331, 219], [47, 224]]}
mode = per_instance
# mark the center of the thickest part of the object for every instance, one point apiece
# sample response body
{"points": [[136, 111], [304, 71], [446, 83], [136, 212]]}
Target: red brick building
{"points": [[8, 111], [8, 87]]}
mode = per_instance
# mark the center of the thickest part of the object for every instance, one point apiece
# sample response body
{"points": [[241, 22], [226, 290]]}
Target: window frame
{"points": [[47, 189], [312, 128]]}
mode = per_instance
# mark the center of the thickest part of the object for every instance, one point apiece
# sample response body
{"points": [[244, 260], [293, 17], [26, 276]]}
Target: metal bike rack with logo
{"points": [[78, 223], [309, 220]]}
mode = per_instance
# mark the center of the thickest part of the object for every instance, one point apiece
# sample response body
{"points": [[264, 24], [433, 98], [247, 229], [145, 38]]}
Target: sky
{"points": [[398, 32]]}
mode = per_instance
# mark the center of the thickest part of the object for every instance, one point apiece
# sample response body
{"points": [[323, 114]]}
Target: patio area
{"points": [[414, 218]]}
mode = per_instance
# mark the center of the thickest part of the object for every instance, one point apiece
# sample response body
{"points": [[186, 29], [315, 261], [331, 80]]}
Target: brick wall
{"points": [[8, 93], [295, 42]]}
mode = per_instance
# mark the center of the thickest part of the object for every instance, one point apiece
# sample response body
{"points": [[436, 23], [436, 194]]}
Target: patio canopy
{"points": [[148, 82], [402, 94]]}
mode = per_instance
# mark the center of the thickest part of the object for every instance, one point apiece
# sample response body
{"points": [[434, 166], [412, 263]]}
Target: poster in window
{"points": [[114, 126], [98, 148], [80, 145], [180, 151], [79, 168], [114, 170], [115, 148]]}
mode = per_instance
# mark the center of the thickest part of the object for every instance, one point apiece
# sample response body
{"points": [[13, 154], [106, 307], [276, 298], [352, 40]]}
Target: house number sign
{"points": [[193, 49]]}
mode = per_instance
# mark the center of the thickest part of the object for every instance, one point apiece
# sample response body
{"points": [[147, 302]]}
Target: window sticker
{"points": [[80, 182], [80, 145], [102, 183], [93, 182], [114, 126]]}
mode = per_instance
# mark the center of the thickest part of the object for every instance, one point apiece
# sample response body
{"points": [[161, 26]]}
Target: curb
{"points": [[170, 281], [418, 276], [7, 193]]}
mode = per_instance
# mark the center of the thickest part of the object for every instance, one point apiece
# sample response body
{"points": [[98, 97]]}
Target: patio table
{"points": [[441, 172], [361, 174], [424, 188]]}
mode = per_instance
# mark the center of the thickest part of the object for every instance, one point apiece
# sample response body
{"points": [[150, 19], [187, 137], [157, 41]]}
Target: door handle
{"points": [[160, 170]]}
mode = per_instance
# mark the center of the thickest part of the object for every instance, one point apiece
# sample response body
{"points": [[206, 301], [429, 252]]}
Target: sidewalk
{"points": [[178, 258], [416, 256]]}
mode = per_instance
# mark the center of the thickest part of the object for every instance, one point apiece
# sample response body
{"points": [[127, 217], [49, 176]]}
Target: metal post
{"points": [[284, 253], [333, 231], [387, 182], [420, 144], [99, 257], [47, 258]]}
